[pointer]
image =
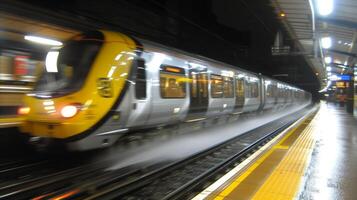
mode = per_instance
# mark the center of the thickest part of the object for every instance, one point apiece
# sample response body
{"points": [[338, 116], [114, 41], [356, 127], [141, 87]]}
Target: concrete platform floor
{"points": [[332, 173]]}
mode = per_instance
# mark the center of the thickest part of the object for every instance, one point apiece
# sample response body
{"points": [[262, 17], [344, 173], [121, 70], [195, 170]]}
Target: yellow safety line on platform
{"points": [[229, 189], [285, 180]]}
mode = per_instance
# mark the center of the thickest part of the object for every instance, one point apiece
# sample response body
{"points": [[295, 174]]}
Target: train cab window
{"points": [[240, 87], [140, 83], [172, 82], [228, 91], [216, 86], [69, 66]]}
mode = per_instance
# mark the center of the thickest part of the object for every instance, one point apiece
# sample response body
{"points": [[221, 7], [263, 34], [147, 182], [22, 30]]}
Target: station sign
{"points": [[340, 78]]}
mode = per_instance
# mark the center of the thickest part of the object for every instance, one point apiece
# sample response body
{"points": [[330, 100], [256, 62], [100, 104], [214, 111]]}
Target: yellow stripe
{"points": [[285, 180], [242, 177]]}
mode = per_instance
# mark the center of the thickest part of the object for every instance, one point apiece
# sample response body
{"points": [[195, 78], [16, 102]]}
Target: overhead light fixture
{"points": [[345, 62], [325, 7], [337, 61], [282, 14], [339, 41], [329, 74], [328, 60], [42, 40], [326, 42], [328, 69]]}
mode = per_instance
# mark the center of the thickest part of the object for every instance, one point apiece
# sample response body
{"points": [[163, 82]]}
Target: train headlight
{"points": [[69, 111], [23, 110]]}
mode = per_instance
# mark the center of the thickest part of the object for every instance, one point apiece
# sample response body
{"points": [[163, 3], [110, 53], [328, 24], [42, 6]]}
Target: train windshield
{"points": [[67, 68]]}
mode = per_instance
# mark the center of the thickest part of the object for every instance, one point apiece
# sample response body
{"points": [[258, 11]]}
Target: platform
{"points": [[315, 158]]}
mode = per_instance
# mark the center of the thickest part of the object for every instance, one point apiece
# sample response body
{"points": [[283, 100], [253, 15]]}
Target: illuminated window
{"points": [[240, 88], [194, 85], [172, 82], [203, 84], [216, 86], [228, 91]]}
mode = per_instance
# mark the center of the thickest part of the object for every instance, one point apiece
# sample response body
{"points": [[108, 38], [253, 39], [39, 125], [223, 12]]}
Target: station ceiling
{"points": [[306, 27], [13, 28]]}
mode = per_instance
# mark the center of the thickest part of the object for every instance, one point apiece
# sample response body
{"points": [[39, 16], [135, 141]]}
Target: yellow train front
{"points": [[74, 97]]}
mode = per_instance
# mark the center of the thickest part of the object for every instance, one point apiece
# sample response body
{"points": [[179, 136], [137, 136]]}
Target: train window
{"points": [[216, 86], [254, 90], [228, 91], [240, 87], [194, 85], [203, 84], [140, 85], [270, 91], [172, 82], [281, 92]]}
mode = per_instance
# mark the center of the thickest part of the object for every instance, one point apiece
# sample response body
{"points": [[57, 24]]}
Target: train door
{"points": [[198, 93], [262, 93], [140, 107], [240, 97]]}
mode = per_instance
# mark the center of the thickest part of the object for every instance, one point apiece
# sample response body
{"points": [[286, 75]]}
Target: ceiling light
{"points": [[282, 14], [328, 60], [345, 62], [326, 42], [325, 7], [329, 74], [328, 69], [346, 43], [339, 41], [44, 41]]}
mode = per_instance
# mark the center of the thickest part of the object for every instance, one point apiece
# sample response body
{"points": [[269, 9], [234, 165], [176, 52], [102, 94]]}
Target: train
{"points": [[103, 84]]}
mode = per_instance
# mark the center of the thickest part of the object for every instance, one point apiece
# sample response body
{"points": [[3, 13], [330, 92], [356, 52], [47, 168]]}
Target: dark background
{"points": [[238, 32]]}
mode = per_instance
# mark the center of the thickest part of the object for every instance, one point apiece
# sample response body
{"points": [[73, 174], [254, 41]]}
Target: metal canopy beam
{"points": [[343, 53], [339, 22]]}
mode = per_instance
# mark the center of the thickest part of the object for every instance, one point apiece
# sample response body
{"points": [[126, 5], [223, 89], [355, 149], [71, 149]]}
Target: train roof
{"points": [[200, 58]]}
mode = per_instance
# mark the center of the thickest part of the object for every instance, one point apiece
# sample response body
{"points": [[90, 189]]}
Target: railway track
{"points": [[170, 180]]}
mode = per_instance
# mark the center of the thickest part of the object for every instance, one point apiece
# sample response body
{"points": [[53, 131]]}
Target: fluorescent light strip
{"points": [[44, 41]]}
